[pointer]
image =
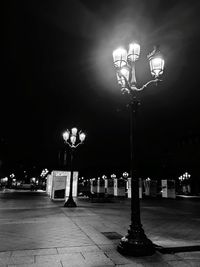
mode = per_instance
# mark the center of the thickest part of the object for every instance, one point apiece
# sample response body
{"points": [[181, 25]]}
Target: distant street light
{"points": [[125, 175], [72, 139], [184, 181], [135, 243]]}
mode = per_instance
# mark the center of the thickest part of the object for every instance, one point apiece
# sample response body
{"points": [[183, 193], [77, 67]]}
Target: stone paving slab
{"points": [[98, 258], [34, 252], [5, 254], [79, 249], [17, 260], [130, 265], [69, 257], [48, 264], [118, 259], [90, 231]]}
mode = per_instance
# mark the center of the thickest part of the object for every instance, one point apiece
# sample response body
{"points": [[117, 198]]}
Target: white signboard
{"points": [[59, 182], [58, 185]]}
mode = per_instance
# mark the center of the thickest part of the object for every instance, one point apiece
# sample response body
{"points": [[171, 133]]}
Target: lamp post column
{"points": [[65, 158], [135, 205], [70, 202], [135, 242]]}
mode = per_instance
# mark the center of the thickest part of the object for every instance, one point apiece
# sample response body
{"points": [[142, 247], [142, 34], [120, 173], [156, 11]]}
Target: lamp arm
{"points": [[132, 87], [70, 145], [156, 80], [75, 146]]}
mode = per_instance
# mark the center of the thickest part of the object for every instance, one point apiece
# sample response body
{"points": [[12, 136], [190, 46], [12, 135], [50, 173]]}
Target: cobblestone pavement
{"points": [[36, 232]]}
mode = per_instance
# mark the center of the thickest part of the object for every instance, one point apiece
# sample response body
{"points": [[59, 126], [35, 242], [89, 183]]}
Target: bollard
{"points": [[100, 187], [93, 186]]}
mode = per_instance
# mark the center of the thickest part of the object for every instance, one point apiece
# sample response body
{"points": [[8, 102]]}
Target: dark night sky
{"points": [[58, 73]]}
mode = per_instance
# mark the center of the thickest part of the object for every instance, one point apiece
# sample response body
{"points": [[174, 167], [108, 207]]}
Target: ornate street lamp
{"points": [[135, 242], [72, 139]]}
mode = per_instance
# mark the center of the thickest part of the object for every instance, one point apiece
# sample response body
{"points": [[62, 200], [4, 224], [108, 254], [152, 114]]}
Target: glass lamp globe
{"points": [[66, 135], [74, 131], [156, 65], [120, 57], [82, 137], [133, 52], [123, 76], [73, 139]]}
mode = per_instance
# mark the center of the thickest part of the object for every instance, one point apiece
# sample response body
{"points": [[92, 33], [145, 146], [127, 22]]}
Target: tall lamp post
{"points": [[135, 242], [72, 139]]}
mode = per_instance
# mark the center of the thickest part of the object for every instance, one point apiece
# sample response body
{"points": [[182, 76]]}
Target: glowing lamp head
{"points": [[120, 57], [82, 137], [133, 52], [122, 76], [66, 135], [73, 139], [125, 72], [125, 174], [74, 131], [156, 64]]}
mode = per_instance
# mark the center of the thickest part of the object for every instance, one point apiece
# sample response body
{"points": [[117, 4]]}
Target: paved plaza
{"points": [[36, 232]]}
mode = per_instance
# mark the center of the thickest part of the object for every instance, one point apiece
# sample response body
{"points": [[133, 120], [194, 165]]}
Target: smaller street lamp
{"points": [[72, 139], [184, 182]]}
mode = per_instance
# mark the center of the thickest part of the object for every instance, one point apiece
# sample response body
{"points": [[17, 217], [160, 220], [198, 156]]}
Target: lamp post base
{"points": [[136, 244], [70, 203]]}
